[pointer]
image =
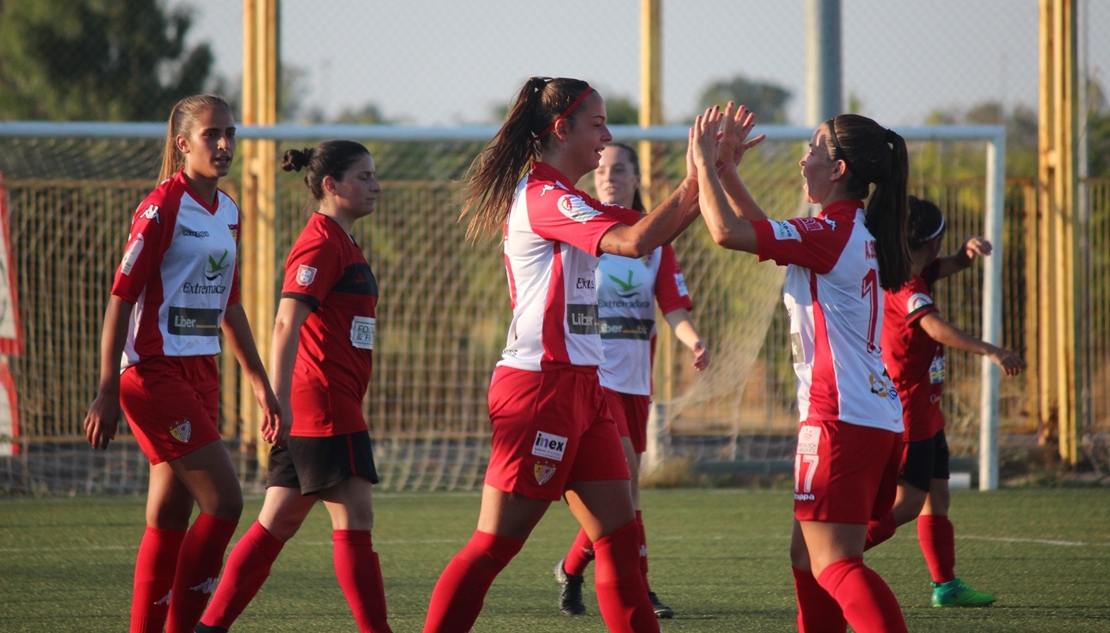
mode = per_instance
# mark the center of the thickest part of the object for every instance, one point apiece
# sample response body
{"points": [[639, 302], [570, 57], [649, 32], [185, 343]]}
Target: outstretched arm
{"points": [[685, 331], [945, 333], [657, 228], [727, 229], [963, 258], [738, 125]]}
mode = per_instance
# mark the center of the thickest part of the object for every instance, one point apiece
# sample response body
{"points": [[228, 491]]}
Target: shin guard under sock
{"points": [[620, 587], [818, 612], [458, 596], [867, 602], [154, 570], [198, 567], [360, 576], [248, 567], [938, 544]]}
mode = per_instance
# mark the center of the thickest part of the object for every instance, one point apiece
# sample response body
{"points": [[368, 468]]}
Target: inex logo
{"points": [[216, 268], [549, 445]]}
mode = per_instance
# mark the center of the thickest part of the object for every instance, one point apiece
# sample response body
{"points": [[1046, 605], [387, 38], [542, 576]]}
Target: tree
{"points": [[767, 101], [105, 60], [621, 111]]}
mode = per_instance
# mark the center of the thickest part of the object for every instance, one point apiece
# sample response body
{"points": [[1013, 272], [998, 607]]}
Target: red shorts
{"points": [[551, 428], [845, 473], [631, 414], [172, 404]]}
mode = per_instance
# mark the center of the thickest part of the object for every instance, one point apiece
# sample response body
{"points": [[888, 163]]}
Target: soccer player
{"points": [[914, 336], [838, 263], [321, 361], [177, 287], [553, 434], [628, 290]]}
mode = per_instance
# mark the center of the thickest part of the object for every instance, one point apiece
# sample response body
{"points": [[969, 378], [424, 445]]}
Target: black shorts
{"points": [[924, 461], [318, 463]]}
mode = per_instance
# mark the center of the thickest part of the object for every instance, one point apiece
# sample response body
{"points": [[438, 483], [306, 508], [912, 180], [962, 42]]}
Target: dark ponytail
{"points": [[877, 155], [330, 158], [494, 174]]}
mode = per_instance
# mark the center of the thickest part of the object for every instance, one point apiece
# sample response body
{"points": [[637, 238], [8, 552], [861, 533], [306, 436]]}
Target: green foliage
{"points": [[768, 101], [100, 60], [621, 111], [964, 161]]}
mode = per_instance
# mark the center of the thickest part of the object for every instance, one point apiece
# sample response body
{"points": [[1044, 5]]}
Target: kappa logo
{"points": [[549, 445], [575, 209], [165, 599], [151, 213], [544, 472], [206, 587], [305, 275], [545, 189], [182, 431], [216, 268]]}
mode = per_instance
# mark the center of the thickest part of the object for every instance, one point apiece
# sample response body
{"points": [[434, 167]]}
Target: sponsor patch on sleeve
{"points": [[810, 224], [306, 275], [917, 301], [680, 281], [549, 445], [576, 209], [785, 231], [131, 254]]}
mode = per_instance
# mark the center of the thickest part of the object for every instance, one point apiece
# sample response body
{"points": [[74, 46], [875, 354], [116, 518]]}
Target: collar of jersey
{"points": [[841, 208]]}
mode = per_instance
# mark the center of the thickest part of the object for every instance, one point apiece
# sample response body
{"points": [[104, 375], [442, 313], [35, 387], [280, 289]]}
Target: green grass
{"points": [[719, 557]]}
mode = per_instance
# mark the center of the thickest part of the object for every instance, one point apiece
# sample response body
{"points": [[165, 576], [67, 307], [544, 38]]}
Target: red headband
{"points": [[566, 113]]}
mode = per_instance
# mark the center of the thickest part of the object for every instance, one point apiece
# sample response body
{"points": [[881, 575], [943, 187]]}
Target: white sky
{"points": [[452, 61]]}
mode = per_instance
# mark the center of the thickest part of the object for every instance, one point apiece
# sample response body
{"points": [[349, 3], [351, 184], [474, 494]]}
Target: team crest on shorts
{"points": [[182, 431], [544, 472]]}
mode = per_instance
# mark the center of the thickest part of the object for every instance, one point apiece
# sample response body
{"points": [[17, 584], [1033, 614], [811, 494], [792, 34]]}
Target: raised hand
{"points": [[703, 138], [974, 246], [738, 124]]}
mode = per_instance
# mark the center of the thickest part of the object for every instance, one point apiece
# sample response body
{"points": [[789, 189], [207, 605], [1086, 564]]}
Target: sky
{"points": [[445, 62]]}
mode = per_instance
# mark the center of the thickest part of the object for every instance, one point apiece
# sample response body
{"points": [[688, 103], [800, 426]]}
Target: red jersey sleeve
{"points": [[152, 230], [670, 285], [918, 301], [312, 270], [812, 243], [568, 216]]}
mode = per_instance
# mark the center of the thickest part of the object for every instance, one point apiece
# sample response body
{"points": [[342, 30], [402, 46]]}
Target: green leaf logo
{"points": [[216, 268], [625, 285]]}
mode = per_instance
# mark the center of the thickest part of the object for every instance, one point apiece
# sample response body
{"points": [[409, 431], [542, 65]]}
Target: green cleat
{"points": [[956, 593]]}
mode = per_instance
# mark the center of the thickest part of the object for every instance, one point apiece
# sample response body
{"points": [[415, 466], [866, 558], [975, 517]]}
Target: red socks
{"points": [[247, 568], [643, 548], [818, 612], [938, 544], [620, 589], [867, 602], [154, 570], [581, 554], [198, 567], [461, 590], [879, 531], [360, 576]]}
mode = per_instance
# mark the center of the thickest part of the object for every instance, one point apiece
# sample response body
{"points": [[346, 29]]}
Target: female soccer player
{"points": [[321, 361], [838, 263], [552, 430], [914, 336], [628, 290], [177, 287]]}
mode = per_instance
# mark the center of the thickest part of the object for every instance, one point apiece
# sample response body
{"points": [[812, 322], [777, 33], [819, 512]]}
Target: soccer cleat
{"points": [[662, 611], [956, 593], [570, 591], [204, 628]]}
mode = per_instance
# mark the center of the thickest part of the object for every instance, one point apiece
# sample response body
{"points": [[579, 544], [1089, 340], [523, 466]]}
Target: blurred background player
{"points": [[914, 336], [177, 287], [552, 430], [321, 361], [838, 263], [628, 290]]}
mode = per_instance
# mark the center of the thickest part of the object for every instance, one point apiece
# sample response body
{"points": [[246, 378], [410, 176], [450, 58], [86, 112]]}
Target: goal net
{"points": [[443, 313]]}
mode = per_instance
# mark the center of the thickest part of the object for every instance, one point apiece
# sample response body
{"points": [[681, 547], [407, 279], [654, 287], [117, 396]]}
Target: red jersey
{"points": [[327, 270], [915, 361], [179, 268]]}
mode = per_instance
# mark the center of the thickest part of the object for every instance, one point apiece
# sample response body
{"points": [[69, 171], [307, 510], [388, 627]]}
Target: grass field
{"points": [[718, 556]]}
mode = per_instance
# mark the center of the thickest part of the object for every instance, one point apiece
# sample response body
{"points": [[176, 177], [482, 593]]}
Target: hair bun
{"points": [[296, 159]]}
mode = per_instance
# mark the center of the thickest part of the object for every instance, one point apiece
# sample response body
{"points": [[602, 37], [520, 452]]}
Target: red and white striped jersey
{"points": [[628, 289], [835, 303], [552, 244], [180, 270]]}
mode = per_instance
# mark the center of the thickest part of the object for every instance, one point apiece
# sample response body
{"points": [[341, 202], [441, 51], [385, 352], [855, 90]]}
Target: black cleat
{"points": [[662, 611], [204, 628], [570, 591]]}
